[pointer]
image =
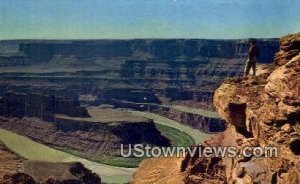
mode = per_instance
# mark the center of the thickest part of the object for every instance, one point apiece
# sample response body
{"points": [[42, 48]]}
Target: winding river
{"points": [[109, 174]]}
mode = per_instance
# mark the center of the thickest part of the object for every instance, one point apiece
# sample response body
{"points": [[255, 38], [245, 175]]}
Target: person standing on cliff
{"points": [[252, 58]]}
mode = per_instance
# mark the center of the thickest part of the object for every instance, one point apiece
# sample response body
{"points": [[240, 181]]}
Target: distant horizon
{"points": [[155, 19], [95, 39]]}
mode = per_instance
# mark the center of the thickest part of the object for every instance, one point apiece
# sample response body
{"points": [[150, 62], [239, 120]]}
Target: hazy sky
{"points": [[68, 19]]}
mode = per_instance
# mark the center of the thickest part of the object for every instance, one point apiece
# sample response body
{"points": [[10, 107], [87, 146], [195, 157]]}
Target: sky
{"points": [[127, 19]]}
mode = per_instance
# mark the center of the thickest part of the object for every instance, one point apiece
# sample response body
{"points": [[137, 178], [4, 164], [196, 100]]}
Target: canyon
{"points": [[77, 96]]}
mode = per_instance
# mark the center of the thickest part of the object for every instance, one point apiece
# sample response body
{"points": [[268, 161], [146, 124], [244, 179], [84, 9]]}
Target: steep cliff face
{"points": [[260, 111], [38, 105]]}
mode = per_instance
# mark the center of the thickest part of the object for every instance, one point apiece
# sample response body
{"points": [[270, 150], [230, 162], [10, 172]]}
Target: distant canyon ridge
{"points": [[36, 51]]}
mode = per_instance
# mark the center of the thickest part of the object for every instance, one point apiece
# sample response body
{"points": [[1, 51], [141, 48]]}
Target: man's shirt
{"points": [[253, 52]]}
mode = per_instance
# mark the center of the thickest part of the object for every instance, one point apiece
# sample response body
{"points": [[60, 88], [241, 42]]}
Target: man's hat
{"points": [[253, 41]]}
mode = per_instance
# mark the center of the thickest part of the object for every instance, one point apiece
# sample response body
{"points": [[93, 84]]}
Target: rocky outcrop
{"points": [[260, 111], [204, 169], [37, 172], [40, 106], [289, 48]]}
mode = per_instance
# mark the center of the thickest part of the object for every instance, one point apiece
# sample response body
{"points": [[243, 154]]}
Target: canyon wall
{"points": [[161, 49]]}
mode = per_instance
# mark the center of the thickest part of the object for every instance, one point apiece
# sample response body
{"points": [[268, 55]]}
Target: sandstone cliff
{"points": [[260, 111]]}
